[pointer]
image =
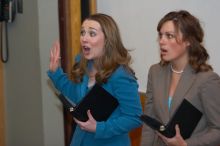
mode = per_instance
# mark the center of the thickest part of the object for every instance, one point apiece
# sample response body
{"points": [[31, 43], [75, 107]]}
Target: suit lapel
{"points": [[164, 84], [186, 81]]}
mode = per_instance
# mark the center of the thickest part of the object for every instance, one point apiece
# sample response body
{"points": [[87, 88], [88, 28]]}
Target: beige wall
{"points": [[2, 110], [33, 114], [138, 21]]}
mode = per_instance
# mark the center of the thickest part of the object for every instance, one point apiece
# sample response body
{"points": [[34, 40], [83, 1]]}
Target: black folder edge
{"points": [[158, 126], [153, 123], [71, 107]]}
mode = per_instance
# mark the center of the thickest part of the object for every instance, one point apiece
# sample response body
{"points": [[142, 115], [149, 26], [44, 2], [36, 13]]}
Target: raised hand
{"points": [[54, 56]]}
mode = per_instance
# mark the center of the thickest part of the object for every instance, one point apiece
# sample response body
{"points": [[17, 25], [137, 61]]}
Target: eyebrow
{"points": [[91, 28], [167, 32]]}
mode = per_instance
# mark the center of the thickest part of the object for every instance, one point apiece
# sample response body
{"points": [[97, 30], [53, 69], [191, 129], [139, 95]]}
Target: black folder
{"points": [[99, 101], [187, 117]]}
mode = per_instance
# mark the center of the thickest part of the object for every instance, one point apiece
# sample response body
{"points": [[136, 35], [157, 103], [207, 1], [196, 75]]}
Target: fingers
{"points": [[84, 123], [177, 140], [177, 130], [54, 56], [90, 115], [165, 139], [51, 55], [89, 125], [161, 136], [55, 50], [80, 123]]}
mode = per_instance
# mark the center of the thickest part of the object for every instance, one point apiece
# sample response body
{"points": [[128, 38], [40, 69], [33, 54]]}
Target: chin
{"points": [[166, 59], [88, 57]]}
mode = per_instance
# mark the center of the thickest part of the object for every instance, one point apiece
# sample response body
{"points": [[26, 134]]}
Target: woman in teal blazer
{"points": [[104, 60]]}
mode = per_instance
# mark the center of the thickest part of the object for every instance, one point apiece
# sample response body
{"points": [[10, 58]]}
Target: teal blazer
{"points": [[114, 131]]}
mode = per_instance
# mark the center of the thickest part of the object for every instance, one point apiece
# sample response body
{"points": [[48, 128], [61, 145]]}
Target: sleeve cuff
{"points": [[55, 73], [100, 127]]}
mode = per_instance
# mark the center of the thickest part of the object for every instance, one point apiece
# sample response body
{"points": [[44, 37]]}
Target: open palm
{"points": [[54, 57]]}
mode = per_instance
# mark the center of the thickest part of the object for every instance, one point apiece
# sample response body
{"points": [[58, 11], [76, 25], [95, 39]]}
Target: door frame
{"points": [[70, 17]]}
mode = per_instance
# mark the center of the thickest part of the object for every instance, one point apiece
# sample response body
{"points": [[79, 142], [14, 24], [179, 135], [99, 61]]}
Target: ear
{"points": [[187, 43]]}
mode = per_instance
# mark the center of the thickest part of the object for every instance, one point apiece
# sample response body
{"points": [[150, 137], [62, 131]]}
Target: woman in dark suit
{"points": [[183, 73]]}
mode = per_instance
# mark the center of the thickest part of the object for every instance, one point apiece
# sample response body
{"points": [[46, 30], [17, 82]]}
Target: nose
{"points": [[162, 39], [84, 38]]}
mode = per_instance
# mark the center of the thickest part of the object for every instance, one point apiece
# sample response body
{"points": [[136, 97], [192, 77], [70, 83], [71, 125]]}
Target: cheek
{"points": [[178, 50], [98, 49], [97, 43]]}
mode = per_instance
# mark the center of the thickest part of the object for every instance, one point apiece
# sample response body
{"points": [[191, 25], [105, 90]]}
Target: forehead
{"points": [[168, 26], [91, 24]]}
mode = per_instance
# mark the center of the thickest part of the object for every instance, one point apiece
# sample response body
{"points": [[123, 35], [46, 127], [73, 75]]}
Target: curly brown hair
{"points": [[115, 53], [192, 32]]}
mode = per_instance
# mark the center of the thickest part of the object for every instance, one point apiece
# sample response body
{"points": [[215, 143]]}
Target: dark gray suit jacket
{"points": [[201, 89]]}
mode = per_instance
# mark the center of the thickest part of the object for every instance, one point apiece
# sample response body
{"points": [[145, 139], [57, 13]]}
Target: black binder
{"points": [[187, 117], [99, 101]]}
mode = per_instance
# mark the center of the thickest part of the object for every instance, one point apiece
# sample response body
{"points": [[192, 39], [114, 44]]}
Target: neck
{"points": [[179, 63]]}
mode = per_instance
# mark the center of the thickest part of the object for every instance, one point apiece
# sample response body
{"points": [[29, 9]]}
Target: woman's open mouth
{"points": [[86, 50]]}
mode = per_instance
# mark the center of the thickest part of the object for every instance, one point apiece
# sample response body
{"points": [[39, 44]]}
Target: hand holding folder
{"points": [[99, 101], [187, 117]]}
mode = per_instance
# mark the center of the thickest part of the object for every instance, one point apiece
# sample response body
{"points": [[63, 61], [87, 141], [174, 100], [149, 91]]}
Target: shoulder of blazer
{"points": [[208, 76], [121, 72], [156, 68]]}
